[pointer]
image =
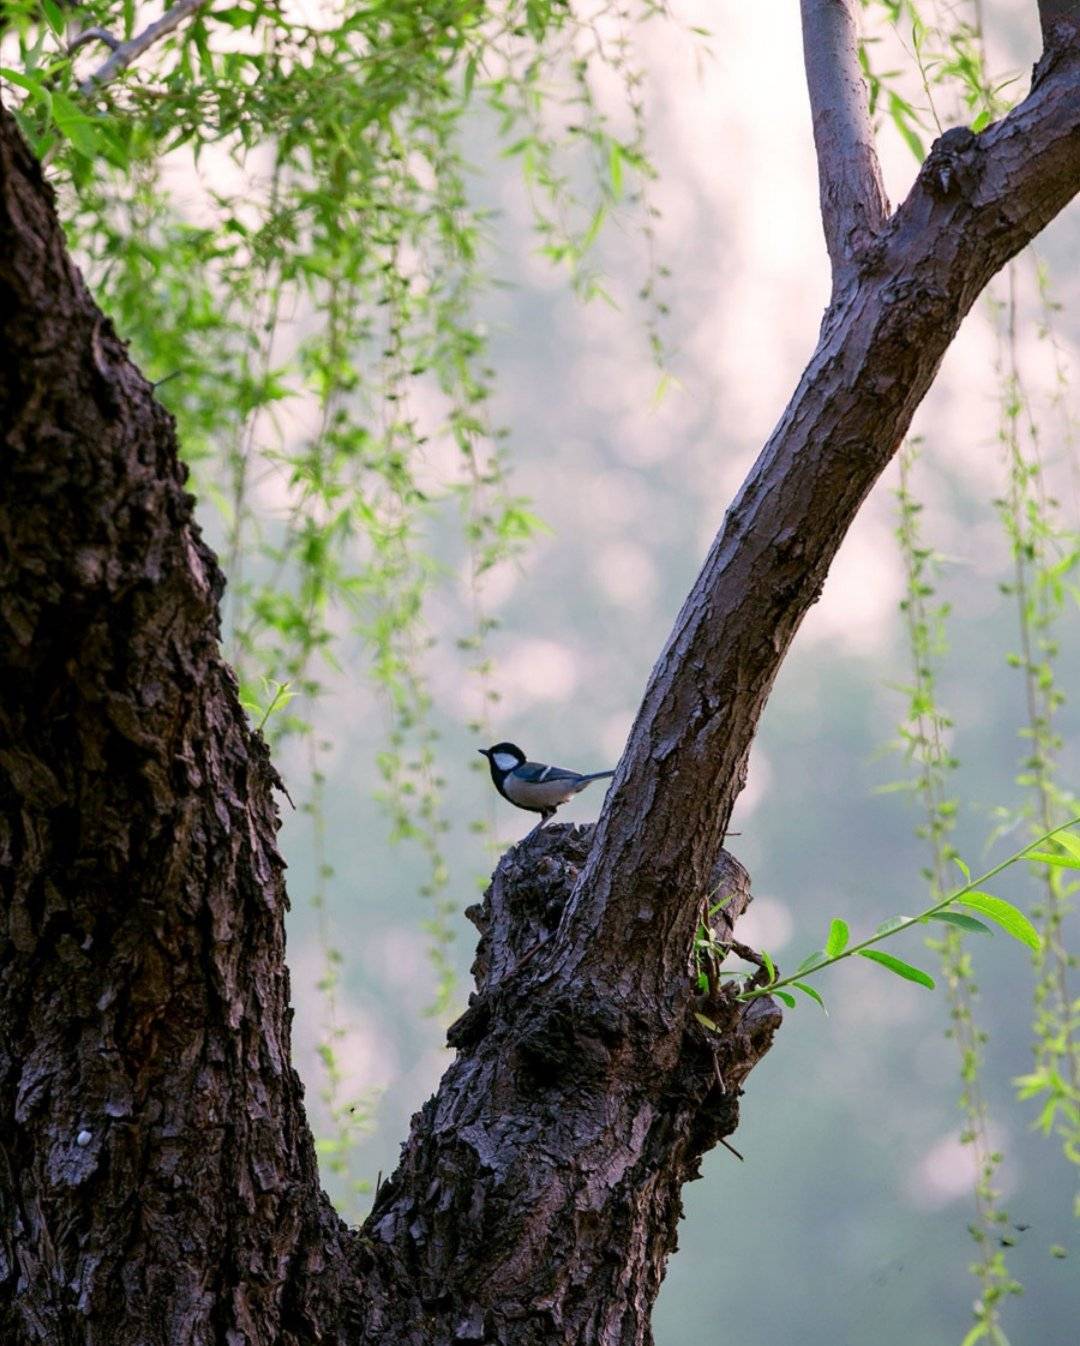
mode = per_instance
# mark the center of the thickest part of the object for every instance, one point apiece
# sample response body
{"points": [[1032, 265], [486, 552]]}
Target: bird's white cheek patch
{"points": [[504, 761]]}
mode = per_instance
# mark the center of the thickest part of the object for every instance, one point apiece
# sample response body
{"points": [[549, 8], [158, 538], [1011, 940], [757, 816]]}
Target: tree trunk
{"points": [[159, 1179], [161, 1183]]}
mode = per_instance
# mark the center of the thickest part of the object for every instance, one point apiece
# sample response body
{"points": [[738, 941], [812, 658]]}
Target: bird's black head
{"points": [[503, 757]]}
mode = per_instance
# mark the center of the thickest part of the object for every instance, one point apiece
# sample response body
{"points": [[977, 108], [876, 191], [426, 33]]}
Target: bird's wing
{"points": [[536, 772], [539, 795]]}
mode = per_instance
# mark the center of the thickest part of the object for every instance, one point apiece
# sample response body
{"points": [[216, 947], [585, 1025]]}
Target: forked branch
{"points": [[977, 201]]}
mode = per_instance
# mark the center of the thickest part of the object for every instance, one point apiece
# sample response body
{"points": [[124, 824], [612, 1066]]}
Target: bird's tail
{"points": [[597, 775]]}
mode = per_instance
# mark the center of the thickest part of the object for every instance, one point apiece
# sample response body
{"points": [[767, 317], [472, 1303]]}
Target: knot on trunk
{"points": [[524, 902], [951, 166], [520, 911]]}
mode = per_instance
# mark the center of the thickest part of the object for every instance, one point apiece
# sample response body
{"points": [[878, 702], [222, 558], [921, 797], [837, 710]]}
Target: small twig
{"points": [[745, 952], [734, 1151], [126, 52], [93, 35]]}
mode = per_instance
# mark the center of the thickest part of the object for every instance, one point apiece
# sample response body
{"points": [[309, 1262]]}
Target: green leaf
{"points": [[1070, 843], [838, 938], [55, 16], [901, 113], [664, 384], [962, 867], [75, 125], [1053, 858], [893, 923], [29, 82], [809, 990], [706, 1022], [1010, 918], [470, 76], [789, 1000], [770, 966], [898, 966], [810, 960], [595, 225], [961, 921]]}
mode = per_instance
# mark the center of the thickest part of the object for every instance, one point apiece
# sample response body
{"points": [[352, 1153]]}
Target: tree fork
{"points": [[160, 1181]]}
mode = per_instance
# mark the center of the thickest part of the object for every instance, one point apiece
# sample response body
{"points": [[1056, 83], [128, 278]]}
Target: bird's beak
{"points": [[483, 751]]}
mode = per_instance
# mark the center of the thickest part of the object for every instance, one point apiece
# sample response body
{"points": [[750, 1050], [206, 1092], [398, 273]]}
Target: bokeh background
{"points": [[847, 1223]]}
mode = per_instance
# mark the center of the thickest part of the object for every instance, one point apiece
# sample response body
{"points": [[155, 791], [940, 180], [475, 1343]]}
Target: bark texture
{"points": [[539, 1193], [159, 1181], [853, 202]]}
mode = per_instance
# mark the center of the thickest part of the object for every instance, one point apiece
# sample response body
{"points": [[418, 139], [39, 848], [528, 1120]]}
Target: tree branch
{"points": [[89, 35], [126, 52], [1058, 17], [977, 201], [853, 203]]}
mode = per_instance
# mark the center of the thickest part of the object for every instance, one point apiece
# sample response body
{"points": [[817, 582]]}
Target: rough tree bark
{"points": [[159, 1183]]}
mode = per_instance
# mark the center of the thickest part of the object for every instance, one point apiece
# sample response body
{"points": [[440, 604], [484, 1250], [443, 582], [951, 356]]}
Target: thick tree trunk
{"points": [[160, 1184], [538, 1195]]}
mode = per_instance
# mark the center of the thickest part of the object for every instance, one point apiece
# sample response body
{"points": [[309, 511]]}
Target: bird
{"points": [[532, 785]]}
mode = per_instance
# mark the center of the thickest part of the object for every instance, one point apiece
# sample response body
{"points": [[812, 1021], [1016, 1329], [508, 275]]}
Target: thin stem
{"points": [[908, 921]]}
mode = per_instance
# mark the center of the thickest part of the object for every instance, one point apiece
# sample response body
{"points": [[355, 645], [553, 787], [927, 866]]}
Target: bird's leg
{"points": [[544, 816]]}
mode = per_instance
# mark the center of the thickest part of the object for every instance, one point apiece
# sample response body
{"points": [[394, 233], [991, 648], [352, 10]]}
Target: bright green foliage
{"points": [[838, 938], [906, 970], [1005, 914]]}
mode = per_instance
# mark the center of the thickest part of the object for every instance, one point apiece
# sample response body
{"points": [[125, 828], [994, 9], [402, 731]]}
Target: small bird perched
{"points": [[532, 785]]}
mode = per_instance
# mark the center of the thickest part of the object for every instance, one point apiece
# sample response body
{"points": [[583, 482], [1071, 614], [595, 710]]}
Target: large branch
{"points": [[568, 1103], [853, 204], [976, 202]]}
